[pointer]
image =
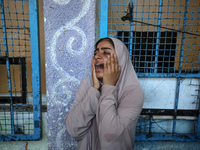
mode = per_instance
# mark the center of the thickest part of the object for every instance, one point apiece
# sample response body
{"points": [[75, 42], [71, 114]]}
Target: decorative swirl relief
{"points": [[60, 93], [61, 2], [71, 25]]}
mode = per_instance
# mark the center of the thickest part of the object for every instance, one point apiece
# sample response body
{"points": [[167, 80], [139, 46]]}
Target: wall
{"points": [[31, 145], [166, 145], [69, 43], [160, 93]]}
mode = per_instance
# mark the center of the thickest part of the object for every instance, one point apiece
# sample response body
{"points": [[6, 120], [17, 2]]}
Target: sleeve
{"points": [[80, 115], [117, 118]]}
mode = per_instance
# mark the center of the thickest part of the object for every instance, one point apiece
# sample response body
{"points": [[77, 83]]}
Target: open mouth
{"points": [[99, 67]]}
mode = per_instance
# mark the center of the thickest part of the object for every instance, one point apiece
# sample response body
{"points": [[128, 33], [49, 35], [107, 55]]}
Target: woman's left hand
{"points": [[111, 70], [96, 83]]}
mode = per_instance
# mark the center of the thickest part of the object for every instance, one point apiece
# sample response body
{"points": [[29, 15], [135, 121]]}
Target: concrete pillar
{"points": [[69, 28]]}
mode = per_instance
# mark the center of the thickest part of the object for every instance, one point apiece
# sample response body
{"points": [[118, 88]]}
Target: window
{"points": [[20, 113], [142, 47], [22, 94], [163, 39]]}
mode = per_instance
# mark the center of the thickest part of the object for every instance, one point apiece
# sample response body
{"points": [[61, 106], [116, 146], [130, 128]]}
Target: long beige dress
{"points": [[106, 119]]}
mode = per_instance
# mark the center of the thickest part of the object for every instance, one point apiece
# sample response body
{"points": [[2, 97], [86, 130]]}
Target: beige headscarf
{"points": [[127, 76]]}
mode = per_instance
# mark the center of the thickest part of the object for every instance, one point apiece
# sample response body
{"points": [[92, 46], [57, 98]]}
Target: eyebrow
{"points": [[103, 48]]}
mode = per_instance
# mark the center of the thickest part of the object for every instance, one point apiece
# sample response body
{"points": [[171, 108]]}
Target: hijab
{"points": [[127, 76]]}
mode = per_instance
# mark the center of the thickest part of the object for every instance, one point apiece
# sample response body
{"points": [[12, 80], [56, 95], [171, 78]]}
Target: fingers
{"points": [[96, 83], [93, 62], [116, 63], [111, 70], [111, 64], [105, 65], [93, 67]]}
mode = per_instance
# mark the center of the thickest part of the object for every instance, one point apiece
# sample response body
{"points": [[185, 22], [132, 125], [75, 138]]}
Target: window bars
{"points": [[163, 38], [20, 115], [170, 28]]}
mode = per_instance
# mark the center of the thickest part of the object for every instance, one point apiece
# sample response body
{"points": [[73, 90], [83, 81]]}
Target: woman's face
{"points": [[103, 51]]}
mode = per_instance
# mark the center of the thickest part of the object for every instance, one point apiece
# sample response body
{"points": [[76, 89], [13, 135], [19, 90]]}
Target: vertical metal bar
{"points": [[168, 66], [111, 19], [173, 19], [13, 53], [180, 64], [183, 34], [190, 37], [198, 30], [178, 36], [123, 38], [24, 92], [104, 19], [17, 18], [153, 39], [131, 32], [150, 124], [135, 37], [35, 64], [198, 121], [195, 42], [117, 17], [7, 65], [172, 35], [25, 73], [158, 35], [146, 70], [176, 105], [170, 54], [141, 61]]}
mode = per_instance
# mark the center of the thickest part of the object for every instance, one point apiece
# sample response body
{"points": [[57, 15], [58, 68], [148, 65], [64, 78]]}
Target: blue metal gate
{"points": [[163, 38], [20, 109]]}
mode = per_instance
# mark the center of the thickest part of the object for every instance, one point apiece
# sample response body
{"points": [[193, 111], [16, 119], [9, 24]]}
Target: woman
{"points": [[107, 105]]}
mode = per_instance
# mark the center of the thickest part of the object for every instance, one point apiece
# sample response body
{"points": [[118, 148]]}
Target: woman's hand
{"points": [[96, 83], [111, 70]]}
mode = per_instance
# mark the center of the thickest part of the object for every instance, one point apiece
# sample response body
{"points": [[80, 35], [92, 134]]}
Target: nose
{"points": [[98, 55]]}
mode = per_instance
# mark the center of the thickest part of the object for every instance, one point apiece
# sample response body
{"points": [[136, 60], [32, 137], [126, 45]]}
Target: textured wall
{"points": [[69, 27]]}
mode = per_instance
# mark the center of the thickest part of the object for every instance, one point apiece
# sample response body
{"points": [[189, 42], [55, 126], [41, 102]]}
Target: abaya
{"points": [[106, 119]]}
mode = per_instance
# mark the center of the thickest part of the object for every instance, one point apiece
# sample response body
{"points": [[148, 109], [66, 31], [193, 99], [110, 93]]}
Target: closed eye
{"points": [[107, 53], [95, 52]]}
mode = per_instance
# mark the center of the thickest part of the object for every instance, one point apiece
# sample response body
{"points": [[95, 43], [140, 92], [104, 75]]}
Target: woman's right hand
{"points": [[96, 83]]}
